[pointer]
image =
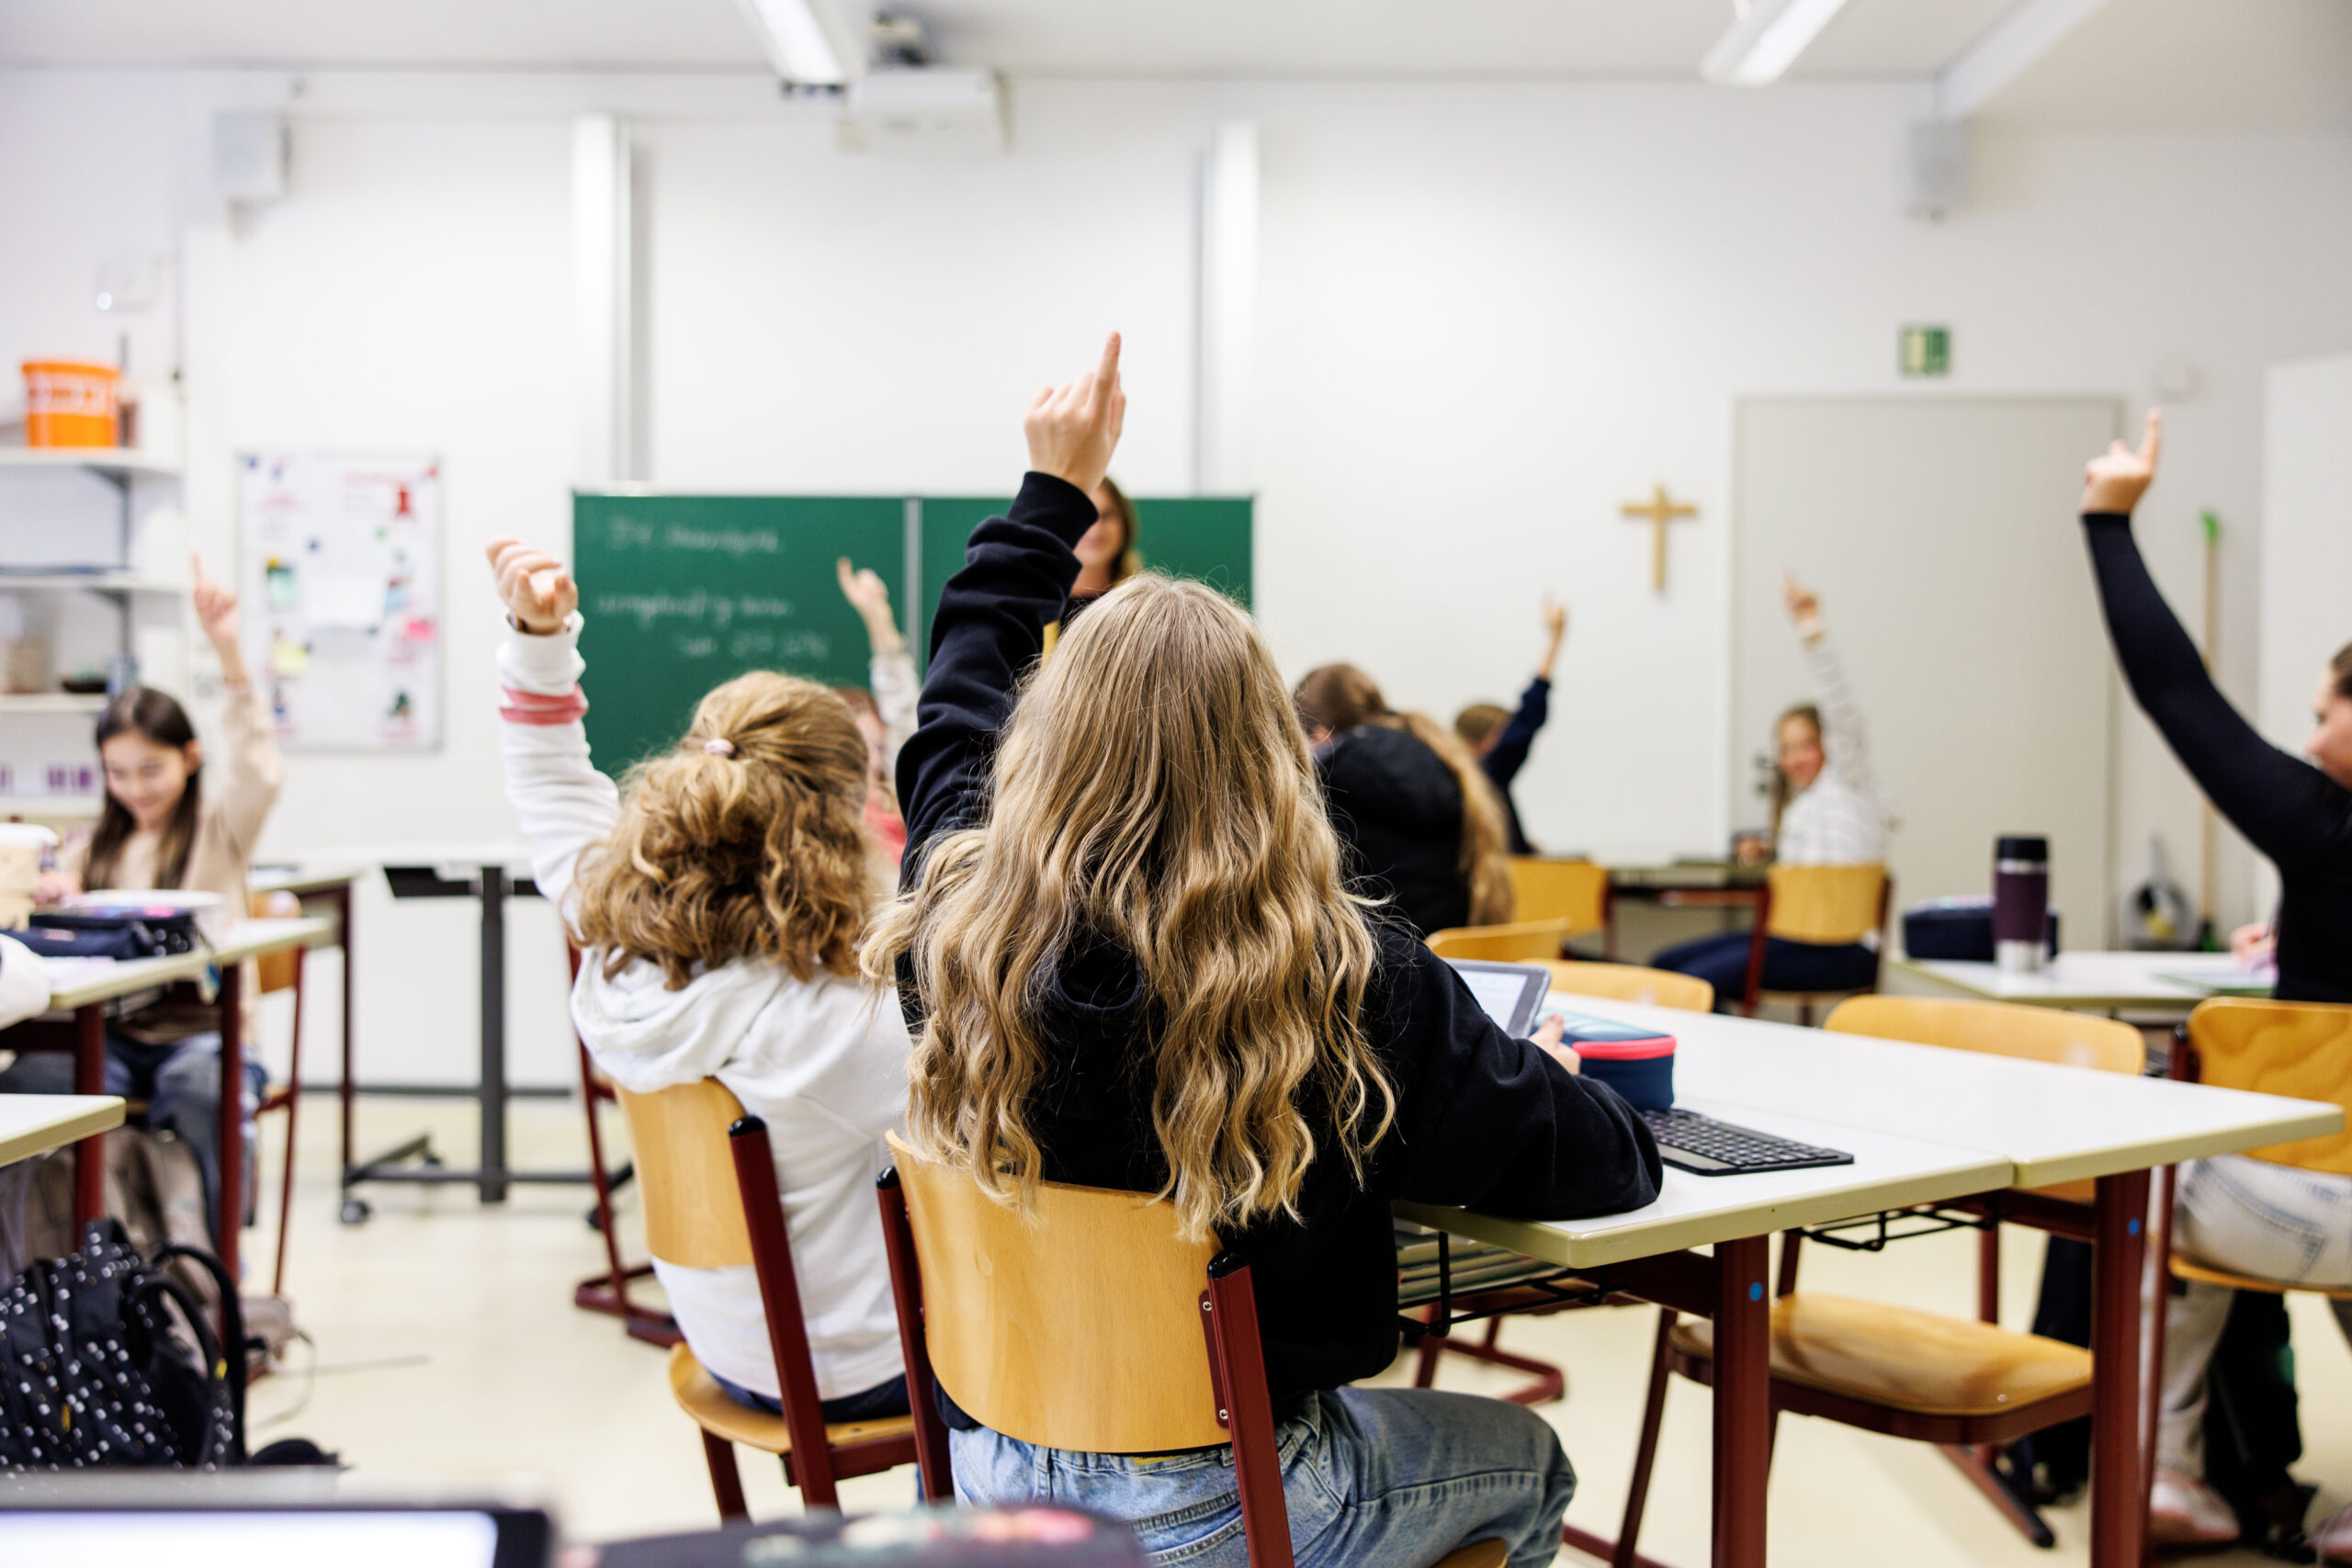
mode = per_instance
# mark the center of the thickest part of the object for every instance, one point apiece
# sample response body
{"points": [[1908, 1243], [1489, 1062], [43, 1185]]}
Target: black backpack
{"points": [[108, 1360]]}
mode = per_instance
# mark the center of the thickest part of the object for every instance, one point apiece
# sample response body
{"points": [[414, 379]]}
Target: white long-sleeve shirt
{"points": [[1841, 819], [823, 1062]]}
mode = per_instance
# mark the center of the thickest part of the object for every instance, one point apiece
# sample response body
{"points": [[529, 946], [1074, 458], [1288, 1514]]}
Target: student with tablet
{"points": [[1129, 961], [2235, 1212]]}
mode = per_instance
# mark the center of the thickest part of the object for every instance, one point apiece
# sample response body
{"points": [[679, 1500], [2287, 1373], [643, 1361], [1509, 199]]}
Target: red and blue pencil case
{"points": [[1638, 1063]]}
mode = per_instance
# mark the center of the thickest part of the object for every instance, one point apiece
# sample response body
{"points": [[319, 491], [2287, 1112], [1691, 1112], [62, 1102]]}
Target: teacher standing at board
{"points": [[2241, 1214]]}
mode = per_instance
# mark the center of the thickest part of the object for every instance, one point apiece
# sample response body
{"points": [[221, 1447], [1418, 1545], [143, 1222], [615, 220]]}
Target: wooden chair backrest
{"points": [[278, 970], [1828, 904], [1077, 1326], [1632, 983], [686, 1168], [1524, 942], [1995, 1029], [1544, 888], [2301, 1050]]}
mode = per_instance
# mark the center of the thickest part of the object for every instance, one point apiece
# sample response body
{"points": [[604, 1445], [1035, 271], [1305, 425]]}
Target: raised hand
{"points": [[1555, 632], [1074, 428], [2116, 477], [216, 611], [870, 597], [533, 586], [1804, 604]]}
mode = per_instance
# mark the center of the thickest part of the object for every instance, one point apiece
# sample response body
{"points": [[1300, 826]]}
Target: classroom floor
{"points": [[447, 1350]]}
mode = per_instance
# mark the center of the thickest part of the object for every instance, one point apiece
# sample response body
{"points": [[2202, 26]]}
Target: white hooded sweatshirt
{"points": [[823, 1062]]}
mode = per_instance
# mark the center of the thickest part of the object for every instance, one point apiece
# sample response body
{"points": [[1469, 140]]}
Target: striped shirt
{"points": [[1841, 819]]}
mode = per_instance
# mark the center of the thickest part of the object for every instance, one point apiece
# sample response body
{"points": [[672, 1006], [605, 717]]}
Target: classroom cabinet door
{"points": [[1941, 534]]}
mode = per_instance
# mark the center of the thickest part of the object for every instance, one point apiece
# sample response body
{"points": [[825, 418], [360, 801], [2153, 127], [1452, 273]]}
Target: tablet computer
{"points": [[185, 1526], [1508, 992]]}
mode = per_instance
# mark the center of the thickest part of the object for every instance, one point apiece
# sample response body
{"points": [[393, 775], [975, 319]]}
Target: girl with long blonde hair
{"points": [[1131, 962], [717, 896]]}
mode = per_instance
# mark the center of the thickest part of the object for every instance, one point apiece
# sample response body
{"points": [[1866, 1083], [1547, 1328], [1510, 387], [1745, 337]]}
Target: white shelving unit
{"points": [[52, 702], [49, 807], [38, 729], [125, 461]]}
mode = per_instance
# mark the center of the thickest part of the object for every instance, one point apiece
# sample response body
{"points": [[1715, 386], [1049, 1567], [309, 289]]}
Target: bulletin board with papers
{"points": [[341, 588]]}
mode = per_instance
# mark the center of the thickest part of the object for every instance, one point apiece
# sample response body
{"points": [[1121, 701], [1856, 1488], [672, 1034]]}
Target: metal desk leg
{"points": [[345, 1091], [2119, 1520], [1743, 1437], [493, 1034], [229, 1200], [90, 1152]]}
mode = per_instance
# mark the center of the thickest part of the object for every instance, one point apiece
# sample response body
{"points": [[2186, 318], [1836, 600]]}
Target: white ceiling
{"points": [[2248, 63]]}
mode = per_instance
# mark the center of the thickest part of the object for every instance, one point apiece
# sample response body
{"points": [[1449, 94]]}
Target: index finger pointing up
{"points": [[2153, 441], [1107, 374]]}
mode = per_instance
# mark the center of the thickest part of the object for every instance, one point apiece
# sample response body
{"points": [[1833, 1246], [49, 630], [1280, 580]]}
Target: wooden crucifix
{"points": [[1657, 512]]}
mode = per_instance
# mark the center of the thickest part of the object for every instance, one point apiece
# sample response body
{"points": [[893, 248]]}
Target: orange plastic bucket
{"points": [[69, 403]]}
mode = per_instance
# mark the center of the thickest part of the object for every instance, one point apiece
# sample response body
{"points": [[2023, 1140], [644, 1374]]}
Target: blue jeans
{"points": [[871, 1404], [1373, 1478], [181, 1084], [1721, 961]]}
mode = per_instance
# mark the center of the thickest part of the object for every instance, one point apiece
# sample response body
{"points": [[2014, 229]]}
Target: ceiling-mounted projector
{"points": [[933, 112]]}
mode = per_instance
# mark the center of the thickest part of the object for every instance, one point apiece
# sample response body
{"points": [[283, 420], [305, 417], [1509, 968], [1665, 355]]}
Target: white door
{"points": [[1941, 534]]}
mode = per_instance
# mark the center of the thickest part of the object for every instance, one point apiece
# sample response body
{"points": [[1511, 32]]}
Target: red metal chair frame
{"points": [[816, 1464], [608, 1292]]}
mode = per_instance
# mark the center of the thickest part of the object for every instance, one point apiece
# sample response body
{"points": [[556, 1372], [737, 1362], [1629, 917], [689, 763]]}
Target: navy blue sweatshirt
{"points": [[2287, 809], [1482, 1119], [1508, 753]]}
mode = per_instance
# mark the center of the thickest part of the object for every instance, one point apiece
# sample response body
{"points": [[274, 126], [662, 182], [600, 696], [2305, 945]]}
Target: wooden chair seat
{"points": [[2189, 1269], [1917, 1362], [699, 1396], [1480, 1554]]}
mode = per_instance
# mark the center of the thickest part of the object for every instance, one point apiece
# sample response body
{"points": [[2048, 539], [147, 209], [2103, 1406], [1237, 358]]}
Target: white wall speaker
{"points": [[1935, 167], [249, 150]]}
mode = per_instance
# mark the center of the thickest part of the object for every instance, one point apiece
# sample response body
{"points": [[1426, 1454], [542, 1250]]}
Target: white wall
{"points": [[2306, 546], [1489, 313]]}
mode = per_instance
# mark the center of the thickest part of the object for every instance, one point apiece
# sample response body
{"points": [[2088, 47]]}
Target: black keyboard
{"points": [[1704, 1147]]}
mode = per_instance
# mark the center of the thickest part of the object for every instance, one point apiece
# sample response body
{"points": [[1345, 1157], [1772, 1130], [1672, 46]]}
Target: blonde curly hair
{"points": [[747, 840]]}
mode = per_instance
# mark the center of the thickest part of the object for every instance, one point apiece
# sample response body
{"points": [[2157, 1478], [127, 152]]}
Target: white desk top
{"points": [[1888, 1172], [35, 1123], [76, 982], [2105, 982], [304, 876], [451, 859], [2052, 1124]]}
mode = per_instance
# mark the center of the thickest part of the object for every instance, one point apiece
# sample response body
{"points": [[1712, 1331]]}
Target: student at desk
{"points": [[1422, 824], [171, 822], [1826, 811], [1130, 963], [2237, 1214]]}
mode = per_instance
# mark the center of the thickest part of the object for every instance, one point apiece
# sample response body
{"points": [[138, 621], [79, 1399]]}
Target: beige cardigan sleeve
{"points": [[248, 772]]}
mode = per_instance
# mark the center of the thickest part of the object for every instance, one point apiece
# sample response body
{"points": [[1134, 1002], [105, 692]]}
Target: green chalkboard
{"points": [[683, 592]]}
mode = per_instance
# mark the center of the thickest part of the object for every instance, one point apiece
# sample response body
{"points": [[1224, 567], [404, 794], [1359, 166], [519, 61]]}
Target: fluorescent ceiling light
{"points": [[809, 43], [1767, 39]]}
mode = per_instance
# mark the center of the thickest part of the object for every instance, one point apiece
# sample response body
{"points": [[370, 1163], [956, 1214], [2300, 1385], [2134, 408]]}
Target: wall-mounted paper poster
{"points": [[342, 581]]}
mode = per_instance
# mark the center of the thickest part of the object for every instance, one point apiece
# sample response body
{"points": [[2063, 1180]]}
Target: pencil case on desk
{"points": [[1639, 1067]]}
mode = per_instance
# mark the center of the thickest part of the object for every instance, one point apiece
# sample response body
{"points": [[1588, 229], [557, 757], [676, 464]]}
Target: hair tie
{"points": [[719, 747]]}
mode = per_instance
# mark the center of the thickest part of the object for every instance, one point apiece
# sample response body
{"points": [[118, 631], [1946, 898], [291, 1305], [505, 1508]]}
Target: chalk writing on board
{"points": [[772, 648], [719, 610], [626, 532]]}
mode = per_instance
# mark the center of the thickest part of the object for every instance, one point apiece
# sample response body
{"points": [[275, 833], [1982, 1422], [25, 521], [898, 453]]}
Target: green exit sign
{"points": [[1927, 351]]}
